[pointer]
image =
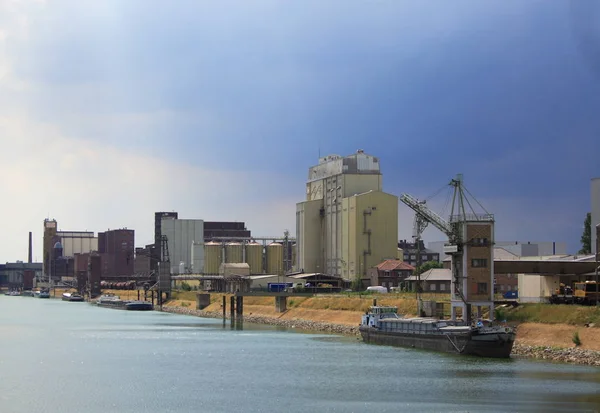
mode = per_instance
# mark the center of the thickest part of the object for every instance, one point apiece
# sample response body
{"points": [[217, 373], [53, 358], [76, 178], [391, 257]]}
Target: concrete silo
{"points": [[275, 258], [212, 258], [254, 257], [234, 253]]}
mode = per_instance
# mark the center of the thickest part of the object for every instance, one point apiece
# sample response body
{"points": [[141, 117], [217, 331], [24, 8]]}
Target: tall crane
{"points": [[453, 229]]}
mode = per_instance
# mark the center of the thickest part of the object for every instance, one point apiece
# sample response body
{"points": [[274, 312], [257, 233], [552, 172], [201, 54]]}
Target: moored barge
{"points": [[382, 325]]}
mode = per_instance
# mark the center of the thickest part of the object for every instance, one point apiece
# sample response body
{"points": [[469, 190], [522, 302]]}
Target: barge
{"points": [[114, 301], [383, 325]]}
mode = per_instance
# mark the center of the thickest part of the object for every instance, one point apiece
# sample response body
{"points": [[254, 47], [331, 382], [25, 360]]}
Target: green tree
{"points": [[428, 266], [586, 237]]}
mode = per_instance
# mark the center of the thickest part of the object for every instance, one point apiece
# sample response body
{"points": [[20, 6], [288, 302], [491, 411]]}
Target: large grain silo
{"points": [[234, 252], [254, 257], [212, 258], [275, 258]]}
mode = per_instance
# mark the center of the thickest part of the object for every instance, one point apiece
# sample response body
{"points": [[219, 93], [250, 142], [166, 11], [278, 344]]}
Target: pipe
{"points": [[29, 255]]}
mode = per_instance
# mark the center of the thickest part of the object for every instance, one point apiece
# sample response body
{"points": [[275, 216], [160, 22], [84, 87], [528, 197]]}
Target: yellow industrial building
{"points": [[347, 223]]}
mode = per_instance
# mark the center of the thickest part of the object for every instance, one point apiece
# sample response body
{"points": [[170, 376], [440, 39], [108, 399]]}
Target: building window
{"points": [[424, 259], [479, 263], [413, 257], [479, 242], [482, 288], [432, 287], [442, 287], [502, 287]]}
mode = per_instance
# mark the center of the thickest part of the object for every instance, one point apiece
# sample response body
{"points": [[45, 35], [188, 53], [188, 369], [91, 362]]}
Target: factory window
{"points": [[479, 263], [482, 288], [479, 242]]}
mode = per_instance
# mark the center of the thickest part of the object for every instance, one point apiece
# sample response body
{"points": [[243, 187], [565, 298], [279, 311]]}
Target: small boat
{"points": [[73, 297], [382, 325], [27, 293], [44, 294]]}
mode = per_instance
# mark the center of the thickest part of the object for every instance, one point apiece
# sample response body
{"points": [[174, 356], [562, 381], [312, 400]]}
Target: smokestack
{"points": [[29, 255]]}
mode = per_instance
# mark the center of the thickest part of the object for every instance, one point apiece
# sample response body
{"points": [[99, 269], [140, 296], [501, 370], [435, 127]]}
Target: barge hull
{"points": [[494, 347]]}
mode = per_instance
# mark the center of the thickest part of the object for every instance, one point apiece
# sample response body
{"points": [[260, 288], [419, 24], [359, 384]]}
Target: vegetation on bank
{"points": [[406, 303], [551, 314]]}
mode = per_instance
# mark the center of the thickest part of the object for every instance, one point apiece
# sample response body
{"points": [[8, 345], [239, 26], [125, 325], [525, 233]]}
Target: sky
{"points": [[112, 110]]}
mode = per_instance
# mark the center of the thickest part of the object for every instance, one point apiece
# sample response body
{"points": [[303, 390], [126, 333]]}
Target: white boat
{"points": [[72, 297]]}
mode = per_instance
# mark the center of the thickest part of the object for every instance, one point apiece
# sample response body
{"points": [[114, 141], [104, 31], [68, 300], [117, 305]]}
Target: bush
{"points": [[499, 314], [576, 339], [185, 286]]}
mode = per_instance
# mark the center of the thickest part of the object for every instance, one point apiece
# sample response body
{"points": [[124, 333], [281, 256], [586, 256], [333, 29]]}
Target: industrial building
{"points": [[347, 224], [595, 211], [410, 250], [196, 246], [185, 237], [519, 248], [116, 247], [72, 242], [20, 275]]}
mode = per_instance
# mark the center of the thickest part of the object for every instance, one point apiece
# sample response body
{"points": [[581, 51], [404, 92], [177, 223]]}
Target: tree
{"points": [[586, 237], [428, 266]]}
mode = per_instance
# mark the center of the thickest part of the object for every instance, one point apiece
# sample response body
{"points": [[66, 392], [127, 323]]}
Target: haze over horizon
{"points": [[110, 111]]}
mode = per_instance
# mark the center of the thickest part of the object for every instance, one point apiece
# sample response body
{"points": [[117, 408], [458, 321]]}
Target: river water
{"points": [[73, 357]]}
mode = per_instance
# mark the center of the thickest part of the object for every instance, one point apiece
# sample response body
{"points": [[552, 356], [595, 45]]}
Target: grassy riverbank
{"points": [[539, 324]]}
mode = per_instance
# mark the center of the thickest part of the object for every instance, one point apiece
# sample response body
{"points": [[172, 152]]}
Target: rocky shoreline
{"points": [[547, 353]]}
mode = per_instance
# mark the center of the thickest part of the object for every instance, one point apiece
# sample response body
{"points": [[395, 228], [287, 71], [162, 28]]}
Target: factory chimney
{"points": [[29, 253]]}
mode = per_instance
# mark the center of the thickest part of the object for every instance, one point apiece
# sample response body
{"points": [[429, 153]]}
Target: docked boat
{"points": [[383, 325], [44, 294], [114, 301], [73, 297]]}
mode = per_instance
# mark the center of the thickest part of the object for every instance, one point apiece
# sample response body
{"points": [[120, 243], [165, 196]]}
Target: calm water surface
{"points": [[73, 357]]}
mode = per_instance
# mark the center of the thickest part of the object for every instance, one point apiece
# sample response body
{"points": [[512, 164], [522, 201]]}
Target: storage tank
{"points": [[275, 258], [254, 257], [212, 258], [234, 253]]}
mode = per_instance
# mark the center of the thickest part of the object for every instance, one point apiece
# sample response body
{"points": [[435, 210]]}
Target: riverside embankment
{"points": [[542, 340]]}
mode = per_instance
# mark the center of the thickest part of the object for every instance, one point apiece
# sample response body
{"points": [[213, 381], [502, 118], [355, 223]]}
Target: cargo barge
{"points": [[382, 325], [114, 301]]}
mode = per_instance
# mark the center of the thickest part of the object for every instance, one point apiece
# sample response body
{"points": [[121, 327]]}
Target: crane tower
{"points": [[470, 244]]}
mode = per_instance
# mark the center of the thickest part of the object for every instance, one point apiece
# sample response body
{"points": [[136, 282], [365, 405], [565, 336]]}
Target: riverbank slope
{"points": [[342, 314]]}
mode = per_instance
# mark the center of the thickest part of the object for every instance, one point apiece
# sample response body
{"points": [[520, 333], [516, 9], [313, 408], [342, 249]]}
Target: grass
{"points": [[552, 314], [406, 303], [576, 339]]}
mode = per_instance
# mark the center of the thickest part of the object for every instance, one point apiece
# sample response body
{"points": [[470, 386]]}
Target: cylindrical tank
{"points": [[212, 258], [275, 258], [234, 252], [254, 257]]}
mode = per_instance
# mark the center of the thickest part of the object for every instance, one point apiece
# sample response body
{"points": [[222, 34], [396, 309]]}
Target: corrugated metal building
{"points": [[77, 242], [181, 235]]}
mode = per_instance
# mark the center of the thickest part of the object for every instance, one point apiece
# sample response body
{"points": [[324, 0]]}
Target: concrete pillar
{"points": [[281, 304], [202, 301], [224, 308], [232, 306], [239, 305]]}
